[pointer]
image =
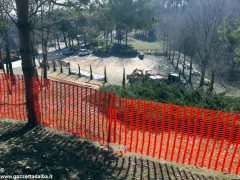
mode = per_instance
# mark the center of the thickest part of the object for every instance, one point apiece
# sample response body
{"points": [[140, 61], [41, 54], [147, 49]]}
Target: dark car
{"points": [[175, 78], [67, 52], [141, 55], [83, 52]]}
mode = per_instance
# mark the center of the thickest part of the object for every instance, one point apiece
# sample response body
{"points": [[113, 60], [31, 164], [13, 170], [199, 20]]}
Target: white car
{"points": [[187, 65], [83, 52]]}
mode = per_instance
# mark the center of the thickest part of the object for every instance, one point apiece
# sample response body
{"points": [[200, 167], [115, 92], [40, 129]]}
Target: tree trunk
{"points": [[65, 41], [7, 66], [59, 48], [212, 80], [111, 37], [107, 39], [69, 43], [105, 35], [126, 38], [166, 47], [178, 59], [164, 44], [170, 51], [8, 56], [33, 50], [78, 43], [85, 40], [173, 57], [184, 62], [1, 61], [191, 68], [33, 55], [119, 37], [24, 31], [202, 77], [44, 62], [44, 48]]}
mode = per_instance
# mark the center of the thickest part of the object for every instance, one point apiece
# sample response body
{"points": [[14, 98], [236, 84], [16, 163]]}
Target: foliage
{"points": [[117, 50], [130, 14], [176, 94], [231, 35]]}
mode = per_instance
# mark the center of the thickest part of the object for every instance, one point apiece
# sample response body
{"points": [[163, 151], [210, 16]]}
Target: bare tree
{"points": [[45, 32], [206, 17], [24, 25], [26, 11], [4, 34]]}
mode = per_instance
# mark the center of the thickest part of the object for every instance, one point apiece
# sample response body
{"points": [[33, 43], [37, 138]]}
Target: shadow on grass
{"points": [[41, 151]]}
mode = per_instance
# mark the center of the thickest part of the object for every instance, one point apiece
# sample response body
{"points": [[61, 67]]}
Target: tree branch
{"points": [[60, 4], [37, 8]]}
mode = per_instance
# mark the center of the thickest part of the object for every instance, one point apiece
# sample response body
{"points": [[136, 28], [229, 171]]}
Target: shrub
{"points": [[176, 94]]}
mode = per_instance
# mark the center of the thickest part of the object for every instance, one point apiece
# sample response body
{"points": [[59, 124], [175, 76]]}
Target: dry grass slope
{"points": [[43, 151]]}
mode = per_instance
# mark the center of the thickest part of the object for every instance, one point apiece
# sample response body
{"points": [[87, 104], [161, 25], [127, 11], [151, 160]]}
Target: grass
{"points": [[44, 151], [138, 44]]}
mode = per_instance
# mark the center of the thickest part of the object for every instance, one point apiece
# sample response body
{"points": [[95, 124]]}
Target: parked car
{"points": [[83, 52], [67, 52], [52, 45], [207, 82], [174, 78], [86, 46], [181, 61], [196, 73], [187, 65], [141, 55], [183, 81]]}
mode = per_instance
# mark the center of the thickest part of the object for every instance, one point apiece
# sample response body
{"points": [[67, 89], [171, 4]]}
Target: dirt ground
{"points": [[115, 65], [36, 150]]}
